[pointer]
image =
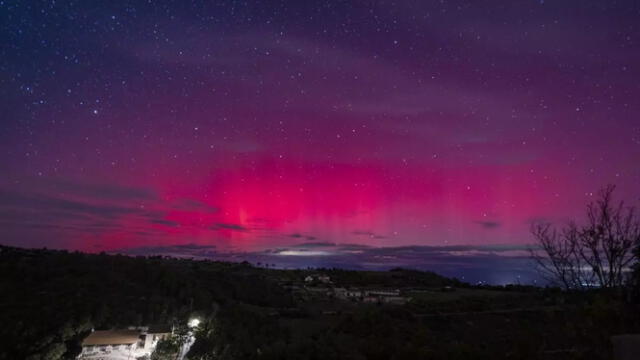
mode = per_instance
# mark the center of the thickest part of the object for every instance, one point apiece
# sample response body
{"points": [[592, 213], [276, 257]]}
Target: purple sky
{"points": [[360, 134]]}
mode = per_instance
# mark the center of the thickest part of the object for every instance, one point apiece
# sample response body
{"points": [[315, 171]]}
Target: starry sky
{"points": [[357, 134]]}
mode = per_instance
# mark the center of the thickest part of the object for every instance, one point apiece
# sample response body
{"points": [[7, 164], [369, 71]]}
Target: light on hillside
{"points": [[194, 323]]}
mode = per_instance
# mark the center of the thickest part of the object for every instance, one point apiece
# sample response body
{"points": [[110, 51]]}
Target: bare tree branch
{"points": [[598, 253]]}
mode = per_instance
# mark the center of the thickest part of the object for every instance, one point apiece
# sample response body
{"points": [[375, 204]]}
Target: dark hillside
{"points": [[50, 300]]}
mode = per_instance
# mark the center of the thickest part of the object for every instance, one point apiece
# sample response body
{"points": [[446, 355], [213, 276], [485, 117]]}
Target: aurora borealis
{"points": [[307, 133]]}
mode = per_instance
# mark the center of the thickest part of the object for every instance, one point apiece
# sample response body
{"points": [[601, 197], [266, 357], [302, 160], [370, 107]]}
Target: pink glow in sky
{"points": [[258, 128]]}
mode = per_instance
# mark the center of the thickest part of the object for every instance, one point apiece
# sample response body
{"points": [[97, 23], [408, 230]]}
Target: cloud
{"points": [[29, 207], [228, 226], [164, 222], [489, 224], [413, 252], [354, 247], [192, 246], [303, 252], [499, 263], [301, 236], [175, 250], [315, 244], [46, 202], [193, 205]]}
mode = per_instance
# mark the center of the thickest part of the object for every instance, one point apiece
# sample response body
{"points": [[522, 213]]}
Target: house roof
{"points": [[111, 337]]}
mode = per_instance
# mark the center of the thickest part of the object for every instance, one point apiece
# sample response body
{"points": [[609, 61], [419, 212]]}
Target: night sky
{"points": [[359, 134]]}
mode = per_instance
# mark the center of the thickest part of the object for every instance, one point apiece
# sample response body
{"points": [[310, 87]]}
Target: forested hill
{"points": [[53, 298], [50, 299]]}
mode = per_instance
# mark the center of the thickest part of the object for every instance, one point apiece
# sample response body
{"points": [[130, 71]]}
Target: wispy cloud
{"points": [[164, 222], [229, 226], [489, 224], [193, 205], [315, 245], [502, 263], [301, 236], [177, 250], [79, 210], [52, 204]]}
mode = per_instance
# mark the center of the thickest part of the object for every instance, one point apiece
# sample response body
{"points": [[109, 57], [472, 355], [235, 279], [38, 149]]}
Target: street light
{"points": [[194, 323]]}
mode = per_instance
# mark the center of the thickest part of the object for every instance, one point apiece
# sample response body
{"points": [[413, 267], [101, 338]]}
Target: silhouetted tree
{"points": [[635, 282], [166, 349], [598, 253]]}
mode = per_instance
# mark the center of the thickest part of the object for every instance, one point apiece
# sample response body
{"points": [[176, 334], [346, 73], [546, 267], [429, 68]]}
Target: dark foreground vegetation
{"points": [[50, 300]]}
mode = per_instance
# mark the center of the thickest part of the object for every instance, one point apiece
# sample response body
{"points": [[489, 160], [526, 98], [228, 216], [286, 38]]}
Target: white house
{"points": [[111, 345], [123, 344]]}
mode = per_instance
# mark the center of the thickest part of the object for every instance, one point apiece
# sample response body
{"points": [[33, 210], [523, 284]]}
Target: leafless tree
{"points": [[598, 253]]}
